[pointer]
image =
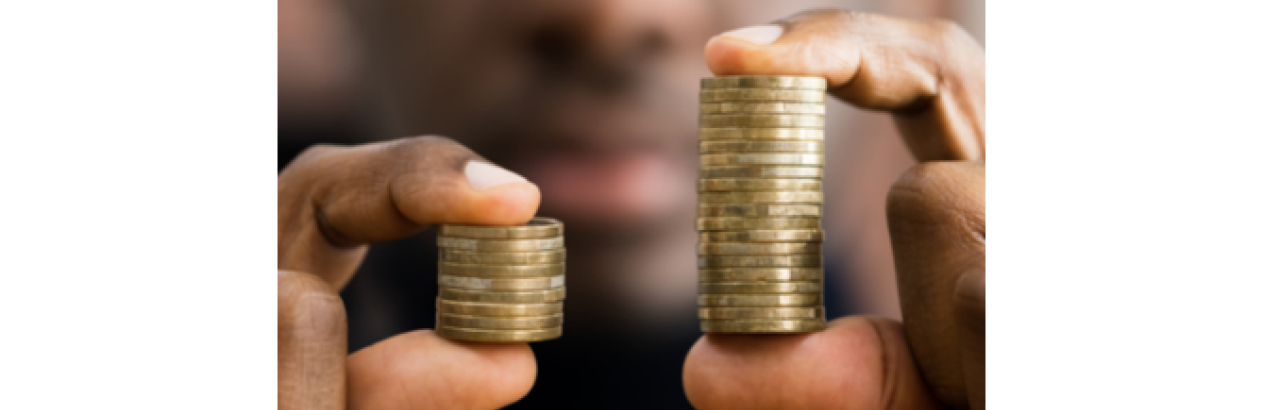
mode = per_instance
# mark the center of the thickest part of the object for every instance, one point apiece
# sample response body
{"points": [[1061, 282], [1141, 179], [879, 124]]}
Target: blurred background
{"points": [[596, 103]]}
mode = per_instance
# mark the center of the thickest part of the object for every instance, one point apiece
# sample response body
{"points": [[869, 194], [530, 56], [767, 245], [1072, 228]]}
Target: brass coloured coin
{"points": [[750, 248], [500, 245], [735, 223], [803, 300], [761, 197], [761, 313], [767, 134], [498, 309], [728, 147], [468, 269], [765, 81], [762, 120], [760, 210], [761, 158], [760, 171], [758, 184], [760, 261], [761, 274], [509, 322], [761, 108], [502, 258], [489, 335], [537, 228], [502, 284], [764, 326], [468, 295], [746, 288], [761, 95], [772, 235]]}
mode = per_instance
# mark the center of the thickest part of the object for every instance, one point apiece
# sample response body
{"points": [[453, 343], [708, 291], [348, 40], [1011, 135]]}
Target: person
{"points": [[566, 105]]}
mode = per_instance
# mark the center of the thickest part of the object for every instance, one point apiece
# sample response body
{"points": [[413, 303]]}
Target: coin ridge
{"points": [[760, 261], [534, 296], [502, 284], [489, 335], [498, 309], [760, 300], [762, 158], [537, 228], [759, 288], [761, 274], [777, 312], [763, 325], [455, 255], [500, 322]]}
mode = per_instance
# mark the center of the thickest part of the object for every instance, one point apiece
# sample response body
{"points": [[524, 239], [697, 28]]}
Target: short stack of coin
{"points": [[760, 143], [501, 283]]}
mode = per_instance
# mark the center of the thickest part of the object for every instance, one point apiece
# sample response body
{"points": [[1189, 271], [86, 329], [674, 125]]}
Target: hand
{"points": [[931, 77], [334, 201]]}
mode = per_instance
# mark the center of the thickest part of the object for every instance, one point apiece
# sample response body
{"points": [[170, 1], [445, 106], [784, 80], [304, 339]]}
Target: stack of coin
{"points": [[501, 283], [760, 204]]}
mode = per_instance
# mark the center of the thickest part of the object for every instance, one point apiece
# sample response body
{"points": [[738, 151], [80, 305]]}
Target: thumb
{"points": [[420, 371]]}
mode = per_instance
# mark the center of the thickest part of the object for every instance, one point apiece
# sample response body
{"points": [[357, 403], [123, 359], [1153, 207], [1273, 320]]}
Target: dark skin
{"points": [[929, 75]]}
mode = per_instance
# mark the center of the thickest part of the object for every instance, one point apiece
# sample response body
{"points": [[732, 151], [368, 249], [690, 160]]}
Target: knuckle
{"points": [[432, 150], [308, 306], [940, 192]]}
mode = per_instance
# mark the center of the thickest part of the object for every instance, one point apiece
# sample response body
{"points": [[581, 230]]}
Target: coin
{"points": [[761, 197], [735, 223], [760, 261], [805, 300], [759, 94], [761, 120], [750, 248], [761, 108], [765, 81], [758, 184], [740, 288], [764, 326], [759, 171], [757, 158], [467, 269], [772, 235], [761, 313], [536, 228], [488, 322], [759, 210], [500, 245], [760, 274], [804, 134], [498, 309], [487, 335], [726, 146], [537, 296], [502, 258], [502, 284]]}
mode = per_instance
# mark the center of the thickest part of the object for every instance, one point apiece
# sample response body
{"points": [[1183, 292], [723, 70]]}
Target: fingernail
{"points": [[483, 175], [765, 34]]}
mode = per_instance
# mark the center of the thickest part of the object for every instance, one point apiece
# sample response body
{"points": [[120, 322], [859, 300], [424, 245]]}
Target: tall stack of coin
{"points": [[760, 204], [501, 283]]}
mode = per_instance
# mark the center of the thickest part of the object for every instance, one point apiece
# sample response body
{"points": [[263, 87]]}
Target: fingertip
{"points": [[727, 55], [513, 203]]}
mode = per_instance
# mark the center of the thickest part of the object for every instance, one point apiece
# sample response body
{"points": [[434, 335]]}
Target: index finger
{"points": [[930, 74]]}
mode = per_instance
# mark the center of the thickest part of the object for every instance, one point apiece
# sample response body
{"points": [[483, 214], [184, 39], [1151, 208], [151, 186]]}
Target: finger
{"points": [[311, 343], [421, 371], [857, 363], [333, 200], [930, 74], [970, 305], [937, 223]]}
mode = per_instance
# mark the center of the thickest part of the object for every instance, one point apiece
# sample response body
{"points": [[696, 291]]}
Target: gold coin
{"points": [[750, 248], [468, 269], [489, 322], [761, 197], [758, 158], [500, 245], [729, 147], [502, 284], [760, 261], [758, 184], [501, 258], [761, 274], [764, 326], [537, 228], [759, 210], [774, 235], [761, 121], [761, 95], [737, 224], [485, 296], [488, 335], [804, 300], [762, 313], [741, 288], [787, 134], [498, 309], [761, 108], [765, 81], [759, 171]]}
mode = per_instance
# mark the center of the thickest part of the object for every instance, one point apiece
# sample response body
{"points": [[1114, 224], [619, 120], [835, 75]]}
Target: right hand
{"points": [[334, 201]]}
